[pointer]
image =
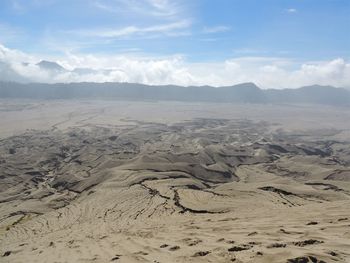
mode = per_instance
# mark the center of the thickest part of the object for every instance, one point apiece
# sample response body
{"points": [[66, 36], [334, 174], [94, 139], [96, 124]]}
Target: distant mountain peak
{"points": [[245, 85], [250, 84], [49, 65]]}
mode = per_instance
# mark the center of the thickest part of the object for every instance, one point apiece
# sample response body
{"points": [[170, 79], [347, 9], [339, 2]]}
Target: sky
{"points": [[273, 43]]}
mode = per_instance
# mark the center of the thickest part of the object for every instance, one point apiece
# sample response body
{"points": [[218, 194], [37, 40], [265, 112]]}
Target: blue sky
{"points": [[289, 33]]}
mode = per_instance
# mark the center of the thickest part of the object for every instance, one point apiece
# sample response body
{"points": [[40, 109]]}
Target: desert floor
{"points": [[113, 181]]}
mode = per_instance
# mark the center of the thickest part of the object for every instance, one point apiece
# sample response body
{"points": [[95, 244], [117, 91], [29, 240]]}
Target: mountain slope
{"points": [[50, 66], [241, 93]]}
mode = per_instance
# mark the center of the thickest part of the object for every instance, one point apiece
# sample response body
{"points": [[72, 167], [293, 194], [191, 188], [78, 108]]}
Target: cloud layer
{"points": [[266, 72]]}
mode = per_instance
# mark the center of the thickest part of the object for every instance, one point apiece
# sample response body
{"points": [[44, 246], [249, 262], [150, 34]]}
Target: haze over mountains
{"points": [[20, 87], [266, 73], [241, 93]]}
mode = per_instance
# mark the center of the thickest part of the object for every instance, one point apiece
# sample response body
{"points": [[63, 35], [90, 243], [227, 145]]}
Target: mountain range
{"points": [[241, 93]]}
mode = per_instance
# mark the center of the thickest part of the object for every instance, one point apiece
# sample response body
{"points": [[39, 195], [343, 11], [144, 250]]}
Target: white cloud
{"points": [[266, 72], [215, 29], [147, 8], [165, 7], [166, 29], [292, 10], [14, 56]]}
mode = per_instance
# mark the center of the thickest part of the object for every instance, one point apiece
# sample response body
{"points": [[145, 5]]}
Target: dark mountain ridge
{"points": [[241, 93]]}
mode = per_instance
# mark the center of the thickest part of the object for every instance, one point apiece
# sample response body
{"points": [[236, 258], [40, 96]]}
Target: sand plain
{"points": [[114, 181]]}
